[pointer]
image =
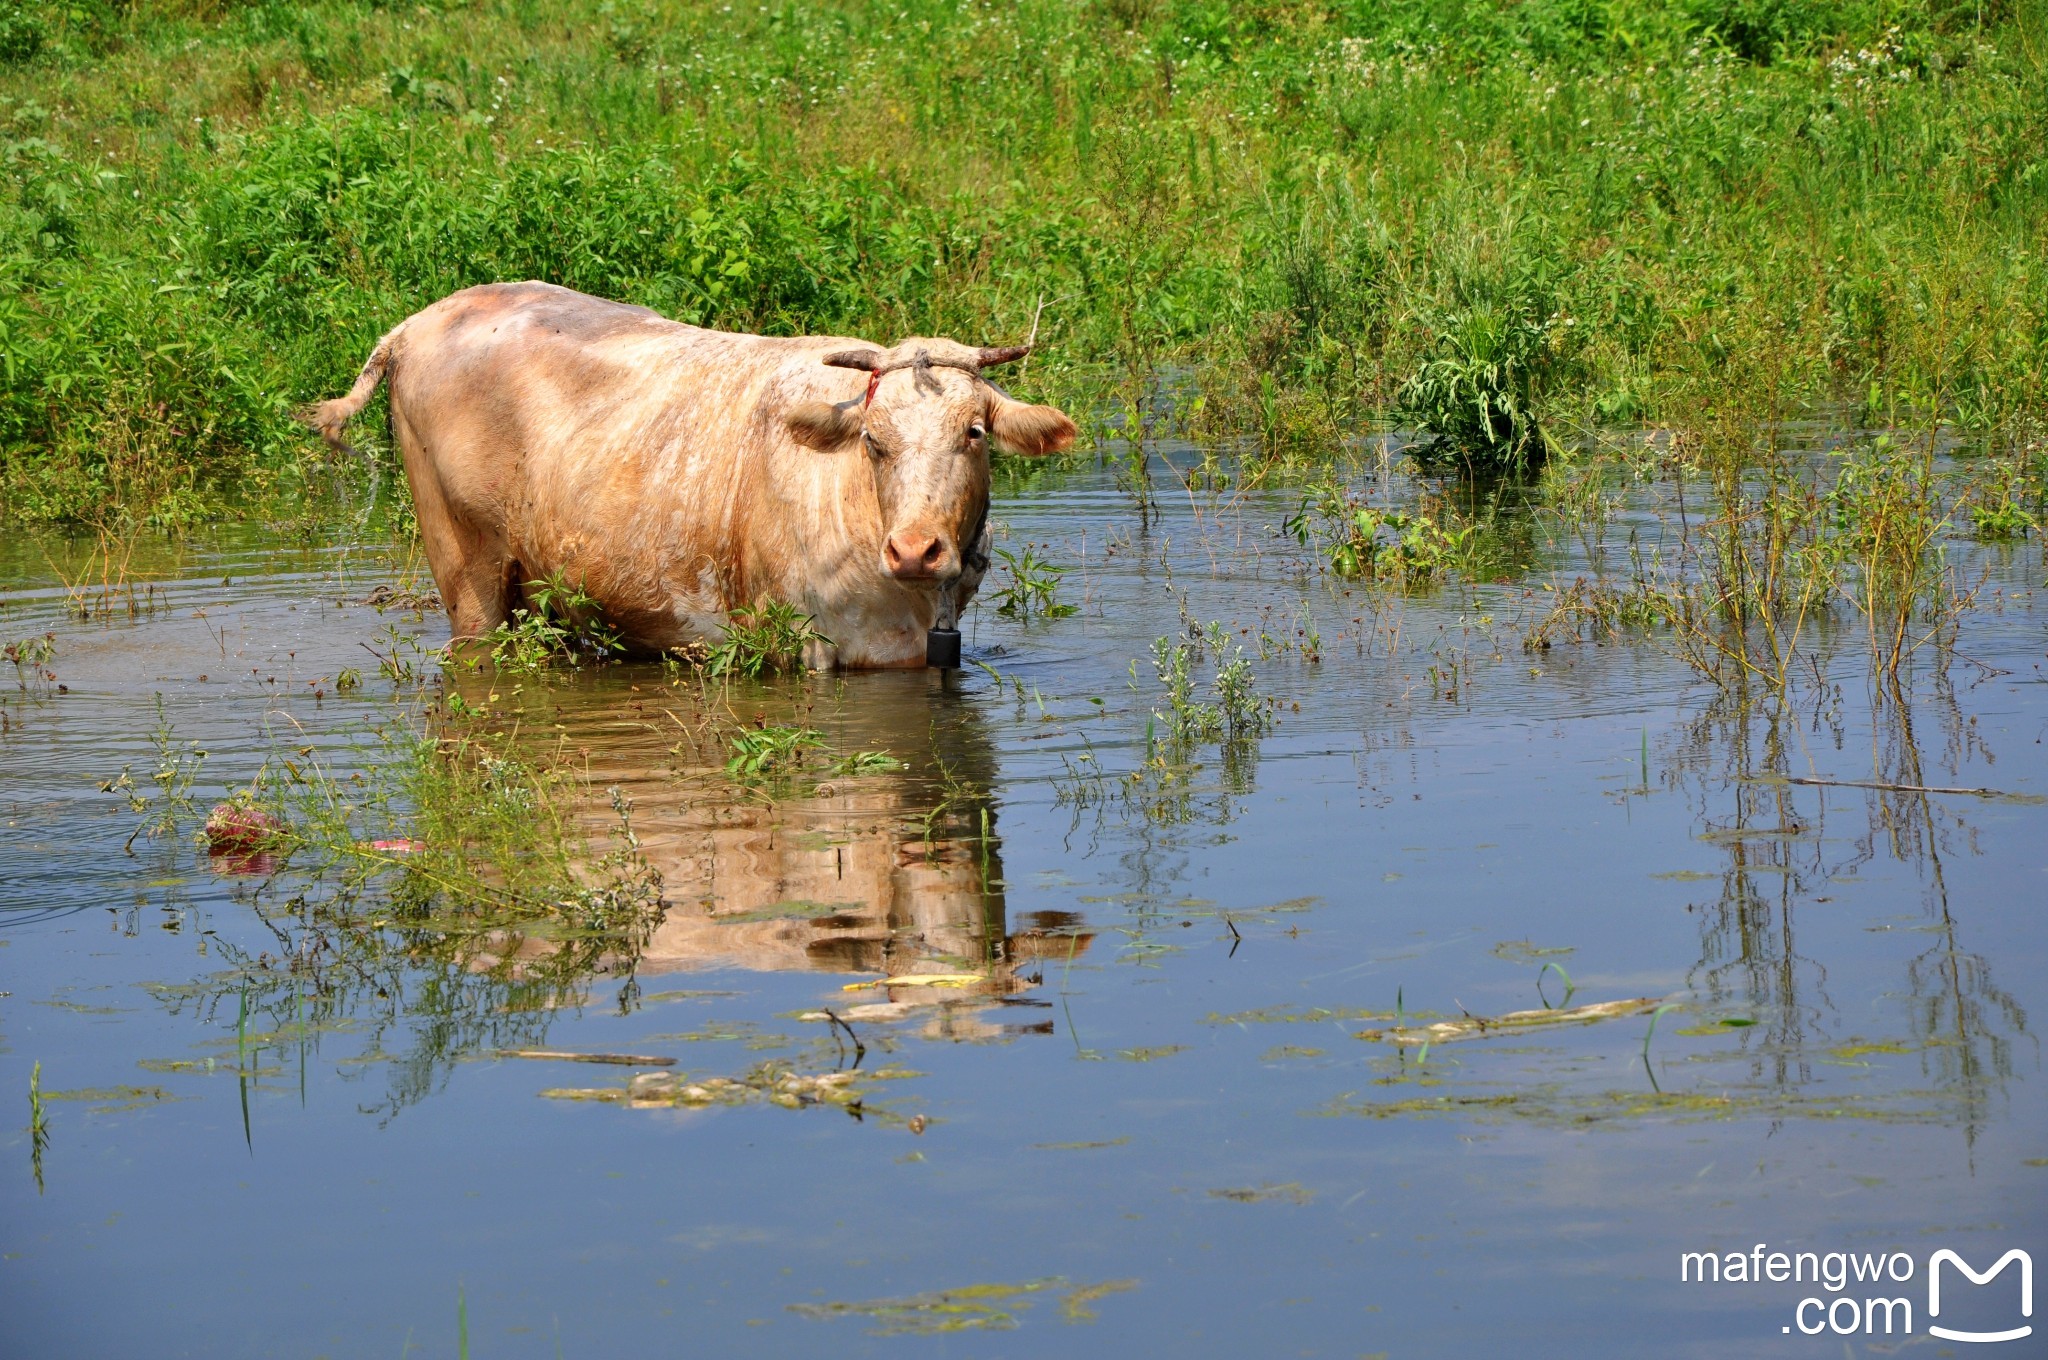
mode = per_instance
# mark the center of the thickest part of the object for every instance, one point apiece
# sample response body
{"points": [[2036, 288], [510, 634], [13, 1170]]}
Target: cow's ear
{"points": [[821, 425], [1029, 430]]}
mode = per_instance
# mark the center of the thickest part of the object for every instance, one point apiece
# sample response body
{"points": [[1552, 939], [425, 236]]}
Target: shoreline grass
{"points": [[1506, 224]]}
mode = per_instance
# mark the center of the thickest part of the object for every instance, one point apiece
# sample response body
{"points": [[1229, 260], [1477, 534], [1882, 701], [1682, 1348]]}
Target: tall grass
{"points": [[1502, 222]]}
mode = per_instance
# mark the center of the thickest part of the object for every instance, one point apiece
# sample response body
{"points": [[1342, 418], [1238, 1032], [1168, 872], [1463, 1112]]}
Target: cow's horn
{"points": [[1003, 354], [866, 360]]}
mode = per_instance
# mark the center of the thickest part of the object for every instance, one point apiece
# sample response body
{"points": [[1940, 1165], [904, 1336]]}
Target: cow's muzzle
{"points": [[915, 555]]}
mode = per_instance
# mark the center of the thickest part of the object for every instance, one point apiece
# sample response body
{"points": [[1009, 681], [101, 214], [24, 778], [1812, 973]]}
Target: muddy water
{"points": [[1144, 1116]]}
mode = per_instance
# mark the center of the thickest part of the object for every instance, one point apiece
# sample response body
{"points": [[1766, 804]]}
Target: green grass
{"points": [[1505, 223]]}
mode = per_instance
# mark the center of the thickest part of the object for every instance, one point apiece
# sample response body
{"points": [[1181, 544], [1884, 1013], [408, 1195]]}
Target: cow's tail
{"points": [[329, 416]]}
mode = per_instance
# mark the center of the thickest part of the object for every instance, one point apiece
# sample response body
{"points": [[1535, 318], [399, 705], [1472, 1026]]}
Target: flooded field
{"points": [[1428, 986]]}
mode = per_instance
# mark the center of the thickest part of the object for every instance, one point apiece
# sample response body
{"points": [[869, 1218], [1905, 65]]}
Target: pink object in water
{"points": [[399, 847], [233, 828]]}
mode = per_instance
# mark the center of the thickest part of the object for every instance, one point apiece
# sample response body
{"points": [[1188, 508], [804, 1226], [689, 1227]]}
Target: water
{"points": [[1150, 1122]]}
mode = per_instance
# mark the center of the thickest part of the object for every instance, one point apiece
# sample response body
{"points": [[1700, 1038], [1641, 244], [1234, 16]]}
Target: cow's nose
{"points": [[912, 555]]}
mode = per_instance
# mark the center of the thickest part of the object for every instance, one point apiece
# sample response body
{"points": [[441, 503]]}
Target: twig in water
{"points": [[860, 1050], [1908, 788]]}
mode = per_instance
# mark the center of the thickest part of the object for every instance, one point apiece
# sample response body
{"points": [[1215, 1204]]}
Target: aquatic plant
{"points": [[38, 1123], [1234, 715], [764, 750], [178, 764], [1031, 587], [857, 763], [1357, 540], [2003, 505], [31, 657]]}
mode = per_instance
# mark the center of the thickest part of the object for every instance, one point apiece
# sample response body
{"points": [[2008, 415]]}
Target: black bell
{"points": [[942, 648]]}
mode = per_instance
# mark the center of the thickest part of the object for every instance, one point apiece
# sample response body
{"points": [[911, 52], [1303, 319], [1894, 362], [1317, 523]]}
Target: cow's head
{"points": [[925, 420]]}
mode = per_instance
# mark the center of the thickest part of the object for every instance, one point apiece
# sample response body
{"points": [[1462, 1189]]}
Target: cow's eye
{"points": [[975, 431], [874, 444]]}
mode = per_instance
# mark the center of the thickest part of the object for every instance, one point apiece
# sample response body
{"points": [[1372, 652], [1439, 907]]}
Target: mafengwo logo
{"points": [[1879, 1309], [1945, 1256]]}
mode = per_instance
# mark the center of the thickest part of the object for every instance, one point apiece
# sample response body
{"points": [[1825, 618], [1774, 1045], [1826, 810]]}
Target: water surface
{"points": [[1149, 1119]]}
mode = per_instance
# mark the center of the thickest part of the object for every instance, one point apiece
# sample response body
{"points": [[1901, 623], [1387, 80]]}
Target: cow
{"points": [[675, 474]]}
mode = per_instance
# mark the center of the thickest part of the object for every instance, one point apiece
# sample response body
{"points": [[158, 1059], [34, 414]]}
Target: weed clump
{"points": [[2005, 503], [1360, 541], [21, 34], [1030, 588], [1494, 358], [766, 638], [560, 623], [1234, 710]]}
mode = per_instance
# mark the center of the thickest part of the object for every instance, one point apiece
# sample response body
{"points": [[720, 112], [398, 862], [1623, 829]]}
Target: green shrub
{"points": [[21, 34], [1496, 353]]}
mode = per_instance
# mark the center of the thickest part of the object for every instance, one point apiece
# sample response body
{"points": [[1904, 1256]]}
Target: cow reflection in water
{"points": [[892, 873]]}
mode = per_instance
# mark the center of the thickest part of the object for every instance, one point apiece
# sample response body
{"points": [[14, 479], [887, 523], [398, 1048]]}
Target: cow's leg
{"points": [[479, 590], [472, 567]]}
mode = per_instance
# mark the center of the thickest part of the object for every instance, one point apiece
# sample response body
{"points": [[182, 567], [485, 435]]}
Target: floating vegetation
{"points": [[770, 1083], [1150, 1053], [1296, 1015], [1525, 951], [108, 1099], [1289, 1192], [921, 980], [970, 1308], [1513, 1023], [794, 909], [1550, 1106]]}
